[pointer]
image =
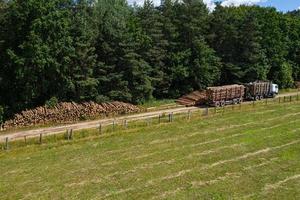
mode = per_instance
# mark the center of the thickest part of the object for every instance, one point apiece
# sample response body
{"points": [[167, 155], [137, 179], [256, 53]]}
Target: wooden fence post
{"points": [[100, 128], [253, 103], [266, 101], [41, 138], [6, 144], [113, 125], [125, 124], [189, 114], [170, 117], [291, 98], [205, 111], [66, 134], [25, 140], [71, 135], [159, 118]]}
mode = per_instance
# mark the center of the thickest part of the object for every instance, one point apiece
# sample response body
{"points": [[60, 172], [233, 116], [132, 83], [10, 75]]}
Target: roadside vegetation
{"points": [[158, 103], [289, 90], [252, 153]]}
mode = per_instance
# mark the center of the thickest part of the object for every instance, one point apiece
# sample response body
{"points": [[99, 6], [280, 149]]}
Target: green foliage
{"points": [[107, 50], [285, 76], [1, 114], [237, 40], [101, 99], [51, 103]]}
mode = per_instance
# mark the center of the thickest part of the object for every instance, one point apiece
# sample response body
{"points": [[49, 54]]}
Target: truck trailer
{"points": [[224, 95], [260, 89]]}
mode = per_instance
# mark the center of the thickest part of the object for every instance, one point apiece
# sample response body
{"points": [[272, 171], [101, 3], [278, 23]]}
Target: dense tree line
{"points": [[107, 50]]}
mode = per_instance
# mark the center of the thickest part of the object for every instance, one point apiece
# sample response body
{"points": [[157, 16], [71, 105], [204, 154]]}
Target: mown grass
{"points": [[289, 90], [252, 153], [157, 103]]}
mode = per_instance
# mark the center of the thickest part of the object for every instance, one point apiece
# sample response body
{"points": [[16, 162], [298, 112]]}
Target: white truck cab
{"points": [[274, 89]]}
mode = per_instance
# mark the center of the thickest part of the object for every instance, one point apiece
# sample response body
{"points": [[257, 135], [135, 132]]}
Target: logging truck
{"points": [[230, 94], [259, 90], [236, 94]]}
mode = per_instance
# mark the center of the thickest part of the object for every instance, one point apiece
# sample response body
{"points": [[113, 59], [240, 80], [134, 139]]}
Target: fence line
{"points": [[205, 112]]}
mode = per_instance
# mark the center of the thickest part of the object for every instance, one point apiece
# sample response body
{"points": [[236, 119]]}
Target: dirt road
{"points": [[92, 124], [288, 94], [104, 122]]}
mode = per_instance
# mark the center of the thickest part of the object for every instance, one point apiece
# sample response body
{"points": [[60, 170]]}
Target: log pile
{"points": [[258, 88], [193, 99], [298, 84], [67, 112]]}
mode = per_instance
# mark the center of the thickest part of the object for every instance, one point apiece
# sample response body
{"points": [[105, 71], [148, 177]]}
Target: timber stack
{"points": [[193, 99], [223, 95], [67, 112]]}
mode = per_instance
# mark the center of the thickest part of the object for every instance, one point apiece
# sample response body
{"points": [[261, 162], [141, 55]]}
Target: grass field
{"points": [[248, 154], [290, 90], [157, 103]]}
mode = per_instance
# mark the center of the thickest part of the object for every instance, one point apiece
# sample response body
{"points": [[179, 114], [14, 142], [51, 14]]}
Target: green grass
{"points": [[252, 153], [157, 103], [290, 90]]}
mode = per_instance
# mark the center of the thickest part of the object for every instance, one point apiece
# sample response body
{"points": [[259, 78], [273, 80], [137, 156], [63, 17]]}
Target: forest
{"points": [[104, 50]]}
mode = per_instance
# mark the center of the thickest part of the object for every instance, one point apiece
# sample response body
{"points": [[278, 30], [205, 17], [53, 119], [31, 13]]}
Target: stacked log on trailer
{"points": [[258, 90], [67, 112], [193, 99], [228, 94]]}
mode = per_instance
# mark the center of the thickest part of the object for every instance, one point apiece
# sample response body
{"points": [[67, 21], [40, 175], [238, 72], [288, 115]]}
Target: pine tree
{"points": [[236, 37], [153, 48], [84, 58], [123, 74], [111, 17], [252, 58], [222, 38], [275, 40], [170, 35], [37, 52], [193, 60]]}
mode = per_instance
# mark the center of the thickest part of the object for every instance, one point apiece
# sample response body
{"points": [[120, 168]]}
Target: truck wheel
{"points": [[217, 104], [261, 97], [222, 103], [239, 101], [256, 98]]}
